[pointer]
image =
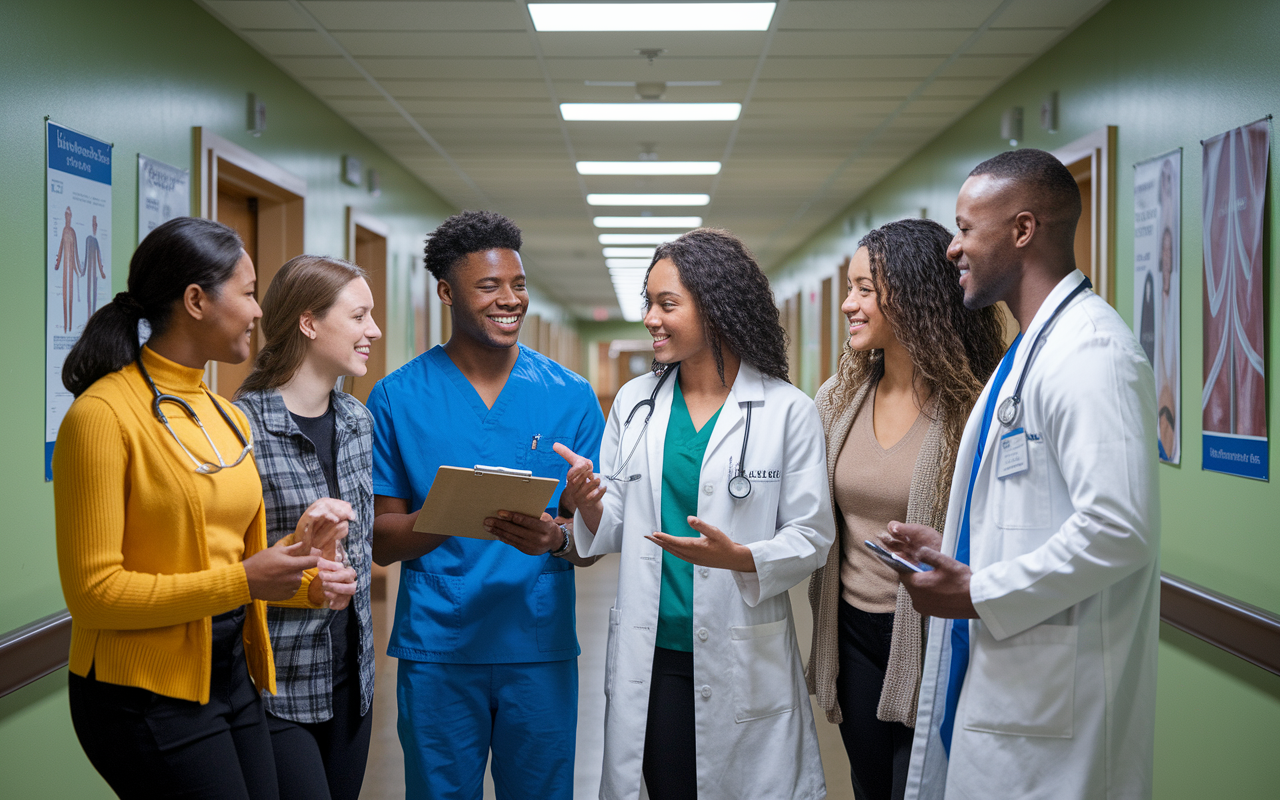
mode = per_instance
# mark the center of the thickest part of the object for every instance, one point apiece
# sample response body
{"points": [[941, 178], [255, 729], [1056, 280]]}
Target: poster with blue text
{"points": [[78, 257], [1234, 402], [1157, 278]]}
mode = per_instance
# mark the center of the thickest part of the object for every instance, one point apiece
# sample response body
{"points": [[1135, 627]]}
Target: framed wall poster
{"points": [[1157, 278], [1234, 402], [78, 257]]}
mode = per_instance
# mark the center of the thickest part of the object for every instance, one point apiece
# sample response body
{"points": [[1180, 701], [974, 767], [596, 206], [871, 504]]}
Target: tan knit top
{"points": [[900, 692]]}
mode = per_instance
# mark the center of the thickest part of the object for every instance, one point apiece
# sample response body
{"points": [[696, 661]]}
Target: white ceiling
{"points": [[465, 94]]}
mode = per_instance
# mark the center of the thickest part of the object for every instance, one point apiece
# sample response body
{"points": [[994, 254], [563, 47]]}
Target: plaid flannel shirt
{"points": [[292, 479]]}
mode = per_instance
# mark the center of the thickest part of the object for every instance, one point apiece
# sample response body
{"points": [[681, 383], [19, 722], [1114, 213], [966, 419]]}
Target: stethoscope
{"points": [[1012, 405], [204, 468], [739, 484]]}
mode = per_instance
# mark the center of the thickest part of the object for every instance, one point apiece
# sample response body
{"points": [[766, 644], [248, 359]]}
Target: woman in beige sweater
{"points": [[915, 362]]}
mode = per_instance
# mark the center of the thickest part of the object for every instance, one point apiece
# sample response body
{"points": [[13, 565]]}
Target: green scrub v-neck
{"points": [[681, 475]]}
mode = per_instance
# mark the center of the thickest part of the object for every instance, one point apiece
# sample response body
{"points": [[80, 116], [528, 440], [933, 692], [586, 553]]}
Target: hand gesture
{"points": [[584, 487], [944, 590], [324, 523], [531, 536], [336, 581], [276, 572], [712, 549]]}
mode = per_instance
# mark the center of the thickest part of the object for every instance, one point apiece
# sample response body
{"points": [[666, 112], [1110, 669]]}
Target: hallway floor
{"points": [[384, 778]]}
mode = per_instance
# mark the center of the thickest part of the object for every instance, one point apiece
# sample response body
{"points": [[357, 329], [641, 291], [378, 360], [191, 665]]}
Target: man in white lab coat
{"points": [[1040, 670]]}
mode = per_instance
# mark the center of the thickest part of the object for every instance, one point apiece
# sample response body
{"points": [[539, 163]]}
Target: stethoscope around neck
{"points": [[202, 467], [739, 484], [1009, 410]]}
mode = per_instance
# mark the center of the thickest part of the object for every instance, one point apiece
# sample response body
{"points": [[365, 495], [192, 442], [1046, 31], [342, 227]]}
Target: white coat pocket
{"points": [[611, 653], [763, 657], [1024, 685]]}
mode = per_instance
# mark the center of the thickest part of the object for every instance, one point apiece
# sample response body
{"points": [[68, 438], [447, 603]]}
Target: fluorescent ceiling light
{"points": [[651, 16], [648, 167], [683, 223], [638, 264], [650, 112], [637, 238], [628, 252], [648, 199]]}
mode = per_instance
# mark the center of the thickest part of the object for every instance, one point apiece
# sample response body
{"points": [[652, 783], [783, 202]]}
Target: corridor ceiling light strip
{"points": [[683, 223], [648, 199], [648, 167], [549, 17], [640, 265], [637, 238], [650, 112], [629, 252]]}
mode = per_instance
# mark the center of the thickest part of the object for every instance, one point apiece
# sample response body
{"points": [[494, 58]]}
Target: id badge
{"points": [[1012, 459]]}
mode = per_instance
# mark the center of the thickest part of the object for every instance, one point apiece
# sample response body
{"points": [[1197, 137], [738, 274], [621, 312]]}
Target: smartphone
{"points": [[895, 561]]}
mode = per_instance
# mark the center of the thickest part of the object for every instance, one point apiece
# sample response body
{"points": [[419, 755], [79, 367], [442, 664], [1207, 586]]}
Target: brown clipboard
{"points": [[461, 499]]}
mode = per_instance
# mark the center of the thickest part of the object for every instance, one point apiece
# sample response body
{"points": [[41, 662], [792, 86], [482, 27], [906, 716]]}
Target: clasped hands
{"points": [[276, 572], [940, 592], [586, 489]]}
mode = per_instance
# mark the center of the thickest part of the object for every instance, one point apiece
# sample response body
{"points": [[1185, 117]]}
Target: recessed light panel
{"points": [[648, 167], [651, 16], [640, 264], [650, 112], [628, 252], [683, 223], [637, 238], [648, 199]]}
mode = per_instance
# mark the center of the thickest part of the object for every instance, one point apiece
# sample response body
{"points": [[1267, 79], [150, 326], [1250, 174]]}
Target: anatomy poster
{"points": [[164, 192], [78, 268], [1234, 403], [1157, 276]]}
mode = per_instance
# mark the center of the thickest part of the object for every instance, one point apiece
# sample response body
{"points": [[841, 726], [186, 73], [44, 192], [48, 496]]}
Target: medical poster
{"points": [[78, 255], [164, 192], [1234, 403], [1157, 308]]}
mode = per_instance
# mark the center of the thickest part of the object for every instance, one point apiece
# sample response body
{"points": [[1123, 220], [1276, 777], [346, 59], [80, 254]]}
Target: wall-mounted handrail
{"points": [[36, 649], [1248, 632], [1244, 631]]}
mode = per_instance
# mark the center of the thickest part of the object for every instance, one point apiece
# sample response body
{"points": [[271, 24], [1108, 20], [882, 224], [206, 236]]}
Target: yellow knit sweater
{"points": [[149, 550]]}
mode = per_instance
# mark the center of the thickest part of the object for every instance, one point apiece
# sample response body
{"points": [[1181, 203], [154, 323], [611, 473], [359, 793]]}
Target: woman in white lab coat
{"points": [[714, 489]]}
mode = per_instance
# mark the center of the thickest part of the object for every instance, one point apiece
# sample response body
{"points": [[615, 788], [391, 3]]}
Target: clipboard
{"points": [[460, 499]]}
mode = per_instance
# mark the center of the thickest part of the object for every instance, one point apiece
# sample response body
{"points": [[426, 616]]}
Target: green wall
{"points": [[1168, 73], [141, 75]]}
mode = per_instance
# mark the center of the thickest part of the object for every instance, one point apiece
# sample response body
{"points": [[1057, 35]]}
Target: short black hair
{"points": [[467, 233], [1051, 192]]}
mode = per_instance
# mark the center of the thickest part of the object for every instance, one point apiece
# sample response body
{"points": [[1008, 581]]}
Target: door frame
{"points": [[1099, 147], [281, 204]]}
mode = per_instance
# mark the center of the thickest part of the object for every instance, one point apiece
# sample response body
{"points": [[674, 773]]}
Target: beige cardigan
{"points": [[901, 687]]}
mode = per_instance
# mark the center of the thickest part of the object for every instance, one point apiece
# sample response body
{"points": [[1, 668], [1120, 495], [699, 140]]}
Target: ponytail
{"points": [[177, 254]]}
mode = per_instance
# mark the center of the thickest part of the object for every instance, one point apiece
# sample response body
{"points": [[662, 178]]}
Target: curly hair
{"points": [[732, 296], [467, 233], [952, 348]]}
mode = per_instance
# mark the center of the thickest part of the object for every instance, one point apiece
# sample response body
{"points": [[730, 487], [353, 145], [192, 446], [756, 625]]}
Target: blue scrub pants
{"points": [[451, 715]]}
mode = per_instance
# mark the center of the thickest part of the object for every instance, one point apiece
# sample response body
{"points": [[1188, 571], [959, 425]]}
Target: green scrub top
{"points": [[681, 475]]}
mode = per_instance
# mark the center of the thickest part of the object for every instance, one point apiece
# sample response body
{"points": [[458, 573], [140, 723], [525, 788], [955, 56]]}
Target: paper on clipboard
{"points": [[461, 499]]}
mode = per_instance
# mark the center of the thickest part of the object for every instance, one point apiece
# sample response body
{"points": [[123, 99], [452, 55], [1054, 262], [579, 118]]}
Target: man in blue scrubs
{"points": [[484, 630]]}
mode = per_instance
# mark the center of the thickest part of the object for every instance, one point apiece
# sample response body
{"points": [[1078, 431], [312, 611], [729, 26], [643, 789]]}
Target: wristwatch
{"points": [[564, 548]]}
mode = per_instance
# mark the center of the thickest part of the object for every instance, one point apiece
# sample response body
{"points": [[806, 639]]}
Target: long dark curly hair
{"points": [[733, 297], [952, 348]]}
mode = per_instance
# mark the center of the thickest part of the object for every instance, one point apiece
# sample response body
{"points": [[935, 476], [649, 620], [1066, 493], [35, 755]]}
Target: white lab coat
{"points": [[754, 726], [1059, 698]]}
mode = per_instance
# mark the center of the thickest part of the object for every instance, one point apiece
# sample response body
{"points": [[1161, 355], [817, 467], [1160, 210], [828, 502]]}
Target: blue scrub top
{"points": [[471, 601]]}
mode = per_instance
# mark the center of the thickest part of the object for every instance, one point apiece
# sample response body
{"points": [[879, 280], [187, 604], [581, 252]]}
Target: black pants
{"points": [[879, 752], [326, 759], [670, 748], [149, 746]]}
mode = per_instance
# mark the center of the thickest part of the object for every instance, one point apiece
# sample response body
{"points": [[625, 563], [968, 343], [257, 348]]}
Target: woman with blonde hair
{"points": [[161, 530], [315, 441], [915, 362]]}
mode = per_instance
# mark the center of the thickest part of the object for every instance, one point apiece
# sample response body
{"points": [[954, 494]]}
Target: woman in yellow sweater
{"points": [[161, 531]]}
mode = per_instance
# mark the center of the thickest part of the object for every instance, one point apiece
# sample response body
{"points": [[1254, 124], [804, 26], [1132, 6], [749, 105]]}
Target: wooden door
{"points": [[826, 360], [370, 252], [239, 211]]}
